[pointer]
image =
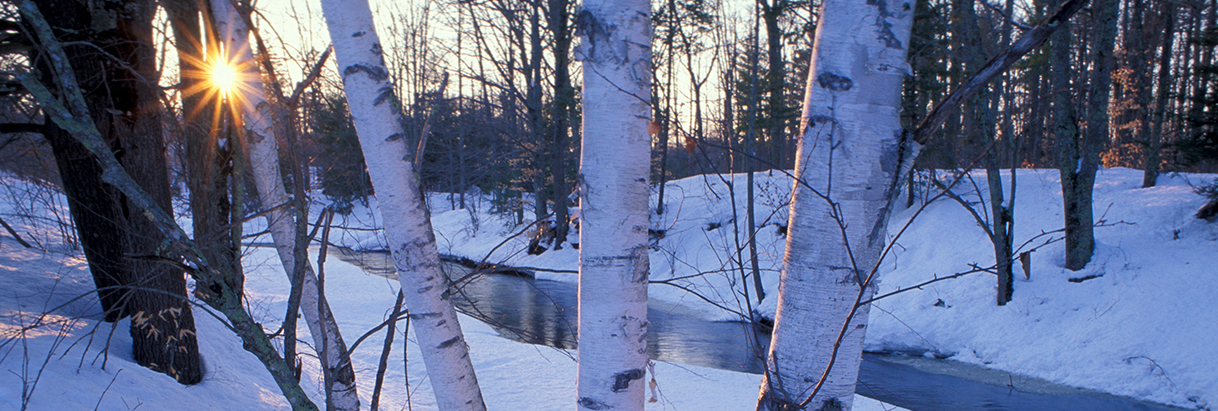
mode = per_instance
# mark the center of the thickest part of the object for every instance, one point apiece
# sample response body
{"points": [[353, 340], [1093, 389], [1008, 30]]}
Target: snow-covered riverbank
{"points": [[53, 348], [1142, 324]]}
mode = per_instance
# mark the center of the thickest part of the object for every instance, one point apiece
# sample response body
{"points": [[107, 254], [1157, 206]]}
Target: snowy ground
{"points": [[1144, 328], [55, 352]]}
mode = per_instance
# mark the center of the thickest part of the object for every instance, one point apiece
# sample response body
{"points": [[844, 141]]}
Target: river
{"points": [[544, 313]]}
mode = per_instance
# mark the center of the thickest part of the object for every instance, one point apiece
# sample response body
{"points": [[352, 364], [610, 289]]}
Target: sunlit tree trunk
{"points": [[407, 223], [264, 162], [848, 156], [614, 168]]}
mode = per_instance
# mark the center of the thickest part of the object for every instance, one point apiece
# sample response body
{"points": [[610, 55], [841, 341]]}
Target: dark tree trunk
{"points": [[1155, 139], [206, 163], [94, 205], [661, 113], [1078, 172], [97, 216], [1065, 117], [564, 96], [534, 108], [165, 340], [776, 82], [124, 103]]}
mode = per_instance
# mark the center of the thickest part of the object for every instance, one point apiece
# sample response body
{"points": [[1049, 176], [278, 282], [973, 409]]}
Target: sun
{"points": [[222, 76]]}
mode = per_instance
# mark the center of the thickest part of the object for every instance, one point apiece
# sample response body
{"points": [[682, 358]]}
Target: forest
{"points": [[346, 204]]}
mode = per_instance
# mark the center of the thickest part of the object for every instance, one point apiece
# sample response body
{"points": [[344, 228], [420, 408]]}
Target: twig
{"points": [[14, 234], [322, 352], [103, 394], [418, 154], [976, 269], [388, 347]]}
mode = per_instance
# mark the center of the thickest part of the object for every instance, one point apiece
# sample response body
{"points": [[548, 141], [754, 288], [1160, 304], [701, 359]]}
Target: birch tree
{"points": [[369, 94], [614, 168], [847, 156], [263, 154], [843, 195]]}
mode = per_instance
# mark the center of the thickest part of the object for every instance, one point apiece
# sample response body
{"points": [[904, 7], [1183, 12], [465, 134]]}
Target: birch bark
{"points": [[614, 168], [848, 153], [357, 51], [263, 159]]}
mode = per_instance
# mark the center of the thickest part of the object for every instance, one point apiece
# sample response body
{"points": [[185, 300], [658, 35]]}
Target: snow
{"points": [[72, 361], [1143, 328]]}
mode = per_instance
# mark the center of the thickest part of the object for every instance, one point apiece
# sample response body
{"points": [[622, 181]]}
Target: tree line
{"points": [[501, 103]]}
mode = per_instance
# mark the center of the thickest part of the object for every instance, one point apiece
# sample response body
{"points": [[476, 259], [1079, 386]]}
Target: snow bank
{"points": [[53, 347], [1143, 327]]}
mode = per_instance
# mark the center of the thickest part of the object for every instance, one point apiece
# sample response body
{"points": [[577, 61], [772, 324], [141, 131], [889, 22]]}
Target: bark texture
{"points": [[123, 100], [72, 115], [1082, 154], [848, 157], [614, 172], [369, 93]]}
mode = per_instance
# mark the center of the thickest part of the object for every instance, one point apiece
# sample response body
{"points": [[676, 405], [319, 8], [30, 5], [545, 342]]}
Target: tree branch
{"points": [[75, 119], [998, 64]]}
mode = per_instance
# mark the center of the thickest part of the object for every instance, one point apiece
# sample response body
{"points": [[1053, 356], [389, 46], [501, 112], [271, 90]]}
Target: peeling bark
{"points": [[848, 157], [366, 83], [614, 171]]}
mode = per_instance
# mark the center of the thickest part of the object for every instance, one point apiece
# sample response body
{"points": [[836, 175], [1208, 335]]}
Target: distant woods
{"points": [[728, 79]]}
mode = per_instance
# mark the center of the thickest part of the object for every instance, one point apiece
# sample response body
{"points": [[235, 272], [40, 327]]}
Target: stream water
{"points": [[544, 312]]}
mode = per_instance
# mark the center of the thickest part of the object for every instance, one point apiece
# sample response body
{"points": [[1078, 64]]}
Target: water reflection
{"points": [[544, 312]]}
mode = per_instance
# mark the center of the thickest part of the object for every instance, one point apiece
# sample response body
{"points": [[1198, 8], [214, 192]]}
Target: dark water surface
{"points": [[544, 312]]}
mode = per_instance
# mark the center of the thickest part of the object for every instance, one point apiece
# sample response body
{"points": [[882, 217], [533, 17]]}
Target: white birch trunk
{"points": [[369, 93], [263, 154], [848, 152], [614, 168]]}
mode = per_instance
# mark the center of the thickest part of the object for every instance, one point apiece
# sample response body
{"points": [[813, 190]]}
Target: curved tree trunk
{"points": [[848, 155], [357, 51], [263, 157], [614, 167]]}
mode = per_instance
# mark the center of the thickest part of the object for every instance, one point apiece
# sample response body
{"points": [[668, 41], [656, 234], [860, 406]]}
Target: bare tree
{"points": [[72, 114]]}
